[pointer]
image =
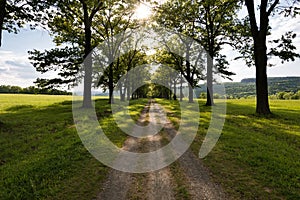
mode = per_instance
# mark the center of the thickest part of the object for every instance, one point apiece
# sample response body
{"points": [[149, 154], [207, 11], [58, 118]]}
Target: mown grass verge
{"points": [[255, 157], [41, 155]]}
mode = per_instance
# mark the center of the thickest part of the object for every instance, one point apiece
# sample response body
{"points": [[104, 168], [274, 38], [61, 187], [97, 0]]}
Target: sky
{"points": [[15, 68]]}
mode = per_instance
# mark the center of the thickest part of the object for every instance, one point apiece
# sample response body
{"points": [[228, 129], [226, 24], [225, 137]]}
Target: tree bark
{"points": [[209, 82], [132, 84], [170, 85], [122, 95], [260, 54], [175, 90], [128, 88], [111, 83], [87, 92], [188, 73], [2, 17], [181, 94]]}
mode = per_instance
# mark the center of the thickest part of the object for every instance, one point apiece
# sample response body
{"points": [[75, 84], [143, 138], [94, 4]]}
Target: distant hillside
{"points": [[279, 84], [247, 86]]}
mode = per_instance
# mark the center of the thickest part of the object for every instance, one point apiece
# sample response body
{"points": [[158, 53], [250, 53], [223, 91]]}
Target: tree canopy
{"points": [[207, 22], [78, 26]]}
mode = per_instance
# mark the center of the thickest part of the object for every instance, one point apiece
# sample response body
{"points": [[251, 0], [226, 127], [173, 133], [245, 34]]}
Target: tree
{"points": [[167, 56], [259, 33], [115, 21], [188, 58], [89, 12], [72, 23], [178, 16], [139, 78], [162, 75], [133, 56], [15, 14], [66, 60], [80, 26], [125, 76], [130, 60], [207, 22]]}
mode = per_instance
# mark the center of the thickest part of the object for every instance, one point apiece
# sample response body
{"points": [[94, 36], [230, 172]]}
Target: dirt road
{"points": [[187, 178]]}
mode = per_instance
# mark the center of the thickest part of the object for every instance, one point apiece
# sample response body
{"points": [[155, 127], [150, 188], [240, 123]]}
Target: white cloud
{"points": [[15, 69]]}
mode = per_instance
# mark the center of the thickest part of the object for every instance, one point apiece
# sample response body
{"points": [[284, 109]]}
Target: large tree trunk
{"points": [[122, 94], [181, 94], [191, 94], [111, 84], [124, 88], [87, 92], [189, 77], [170, 86], [209, 82], [132, 84], [128, 88], [260, 54], [175, 90]]}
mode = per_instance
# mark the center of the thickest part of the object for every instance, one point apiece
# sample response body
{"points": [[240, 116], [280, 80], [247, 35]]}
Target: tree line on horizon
{"points": [[79, 26], [10, 89], [276, 96]]}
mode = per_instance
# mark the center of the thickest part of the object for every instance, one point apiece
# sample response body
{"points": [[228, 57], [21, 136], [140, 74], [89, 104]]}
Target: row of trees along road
{"points": [[78, 26], [209, 23], [84, 25]]}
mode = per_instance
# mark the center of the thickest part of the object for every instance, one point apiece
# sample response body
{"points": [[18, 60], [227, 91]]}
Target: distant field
{"points": [[10, 100], [42, 157]]}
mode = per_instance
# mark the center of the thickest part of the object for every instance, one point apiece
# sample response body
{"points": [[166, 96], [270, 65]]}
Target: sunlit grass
{"points": [[9, 100], [41, 155], [255, 157]]}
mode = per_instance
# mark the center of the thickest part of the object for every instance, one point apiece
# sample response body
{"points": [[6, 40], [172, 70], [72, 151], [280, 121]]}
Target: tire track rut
{"points": [[160, 184]]}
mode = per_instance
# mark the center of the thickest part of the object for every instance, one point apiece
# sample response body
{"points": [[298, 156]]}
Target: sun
{"points": [[143, 11]]}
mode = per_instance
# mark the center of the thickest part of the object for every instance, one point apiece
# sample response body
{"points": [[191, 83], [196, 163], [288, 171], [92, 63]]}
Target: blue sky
{"points": [[15, 68]]}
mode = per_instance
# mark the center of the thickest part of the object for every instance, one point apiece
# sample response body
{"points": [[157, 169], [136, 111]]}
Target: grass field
{"points": [[255, 157], [42, 157]]}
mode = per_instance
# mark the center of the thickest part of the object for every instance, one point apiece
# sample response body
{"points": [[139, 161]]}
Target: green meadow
{"points": [[42, 157], [256, 157]]}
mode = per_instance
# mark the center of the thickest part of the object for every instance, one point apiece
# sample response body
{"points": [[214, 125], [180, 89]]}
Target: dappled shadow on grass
{"points": [[256, 156], [19, 107], [279, 122], [40, 153]]}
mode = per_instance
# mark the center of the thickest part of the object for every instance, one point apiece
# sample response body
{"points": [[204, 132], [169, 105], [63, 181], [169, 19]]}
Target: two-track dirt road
{"points": [[186, 179]]}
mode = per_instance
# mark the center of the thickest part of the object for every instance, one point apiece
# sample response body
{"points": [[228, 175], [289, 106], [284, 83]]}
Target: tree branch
{"points": [[251, 12], [95, 10], [272, 7]]}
